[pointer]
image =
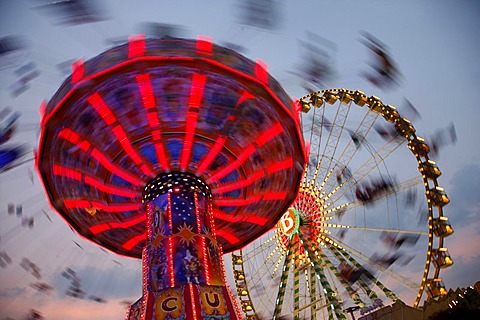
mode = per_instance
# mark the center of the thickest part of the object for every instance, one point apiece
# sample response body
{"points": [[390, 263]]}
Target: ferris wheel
{"points": [[367, 227]]}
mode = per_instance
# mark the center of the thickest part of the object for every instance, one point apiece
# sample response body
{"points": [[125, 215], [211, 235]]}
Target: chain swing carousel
{"points": [[174, 152]]}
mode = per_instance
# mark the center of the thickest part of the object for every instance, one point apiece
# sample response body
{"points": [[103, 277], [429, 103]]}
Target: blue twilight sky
{"points": [[434, 43]]}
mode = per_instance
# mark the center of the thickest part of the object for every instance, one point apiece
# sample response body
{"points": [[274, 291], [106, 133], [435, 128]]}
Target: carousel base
{"points": [[188, 302]]}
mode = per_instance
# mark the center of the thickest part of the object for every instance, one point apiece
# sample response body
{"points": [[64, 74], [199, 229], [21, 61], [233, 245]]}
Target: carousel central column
{"points": [[183, 272]]}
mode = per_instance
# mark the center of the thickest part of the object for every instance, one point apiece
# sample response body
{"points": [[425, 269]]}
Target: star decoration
{"points": [[158, 239], [162, 231], [210, 236], [91, 211], [186, 234]]}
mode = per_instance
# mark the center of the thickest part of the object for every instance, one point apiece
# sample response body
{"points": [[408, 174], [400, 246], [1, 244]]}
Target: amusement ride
{"points": [[174, 152], [325, 254]]}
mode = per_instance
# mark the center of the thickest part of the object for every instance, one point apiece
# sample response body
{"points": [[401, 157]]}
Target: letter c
{"points": [[169, 307]]}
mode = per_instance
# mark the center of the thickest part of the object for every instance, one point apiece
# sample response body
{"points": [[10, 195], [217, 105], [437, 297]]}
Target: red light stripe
{"points": [[266, 136], [196, 95], [82, 204], [66, 172], [149, 103], [235, 164], [109, 188], [207, 160], [231, 202], [41, 111], [130, 244], [69, 135], [115, 170], [146, 91], [72, 204], [170, 239], [274, 195], [59, 170], [245, 217], [117, 225], [156, 134], [245, 96], [78, 71], [297, 106], [187, 144], [204, 45], [102, 109], [205, 260], [240, 184], [154, 124], [170, 262], [125, 142], [256, 220], [228, 236], [271, 133], [162, 157], [192, 301], [99, 228], [278, 166], [206, 264], [117, 208], [196, 91], [261, 71], [74, 138], [307, 150], [84, 145], [136, 46]]}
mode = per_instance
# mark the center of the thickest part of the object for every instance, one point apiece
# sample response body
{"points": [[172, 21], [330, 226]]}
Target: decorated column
{"points": [[183, 274]]}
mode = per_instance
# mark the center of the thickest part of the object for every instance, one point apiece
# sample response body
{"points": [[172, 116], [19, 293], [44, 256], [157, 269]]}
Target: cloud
{"points": [[68, 308], [76, 309], [462, 274], [464, 207], [463, 250], [463, 212]]}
